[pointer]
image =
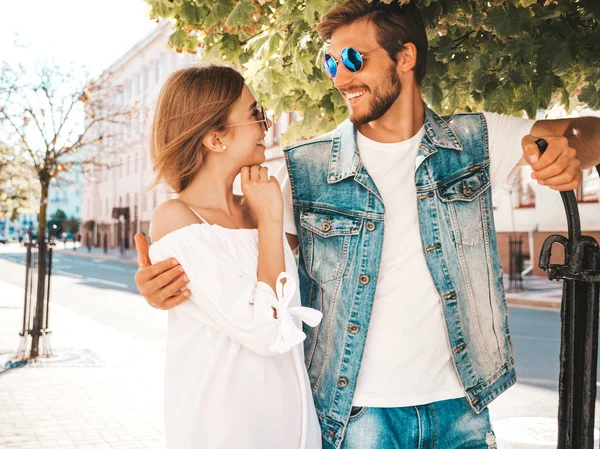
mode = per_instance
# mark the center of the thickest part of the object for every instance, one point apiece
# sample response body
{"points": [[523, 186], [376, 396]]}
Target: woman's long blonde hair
{"points": [[193, 102]]}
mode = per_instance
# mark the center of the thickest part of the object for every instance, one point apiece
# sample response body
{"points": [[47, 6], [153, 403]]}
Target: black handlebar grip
{"points": [[542, 145]]}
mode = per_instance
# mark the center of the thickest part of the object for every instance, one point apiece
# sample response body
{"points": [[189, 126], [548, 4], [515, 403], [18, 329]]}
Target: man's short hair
{"points": [[395, 23]]}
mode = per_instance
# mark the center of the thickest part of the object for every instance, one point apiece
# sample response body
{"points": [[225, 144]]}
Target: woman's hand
{"points": [[263, 195]]}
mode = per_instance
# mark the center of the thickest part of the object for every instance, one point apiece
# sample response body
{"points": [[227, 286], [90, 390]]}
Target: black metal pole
{"points": [[47, 302], [579, 332], [27, 299]]}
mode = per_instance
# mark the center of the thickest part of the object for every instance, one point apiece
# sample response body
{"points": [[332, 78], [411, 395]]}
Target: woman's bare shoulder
{"points": [[171, 216]]}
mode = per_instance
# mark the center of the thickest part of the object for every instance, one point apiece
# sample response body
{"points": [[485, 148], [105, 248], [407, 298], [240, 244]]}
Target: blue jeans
{"points": [[450, 424]]}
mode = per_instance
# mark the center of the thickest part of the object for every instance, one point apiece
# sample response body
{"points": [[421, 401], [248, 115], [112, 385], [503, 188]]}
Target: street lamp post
{"points": [[579, 331]]}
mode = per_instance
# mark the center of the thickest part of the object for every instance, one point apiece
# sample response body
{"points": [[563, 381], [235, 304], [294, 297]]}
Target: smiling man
{"points": [[392, 213]]}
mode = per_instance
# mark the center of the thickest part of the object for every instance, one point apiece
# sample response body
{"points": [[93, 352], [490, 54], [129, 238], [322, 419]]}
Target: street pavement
{"points": [[128, 256], [103, 388], [87, 269]]}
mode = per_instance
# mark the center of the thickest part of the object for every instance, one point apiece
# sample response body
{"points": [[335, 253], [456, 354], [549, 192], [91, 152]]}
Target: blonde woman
{"points": [[235, 375]]}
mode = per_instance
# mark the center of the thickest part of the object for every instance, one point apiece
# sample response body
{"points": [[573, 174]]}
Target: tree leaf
{"points": [[240, 15], [177, 40]]}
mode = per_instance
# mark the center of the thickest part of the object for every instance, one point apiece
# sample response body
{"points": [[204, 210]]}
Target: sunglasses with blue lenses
{"points": [[351, 59]]}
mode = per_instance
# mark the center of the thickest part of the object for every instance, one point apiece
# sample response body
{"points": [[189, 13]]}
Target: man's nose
{"points": [[343, 77]]}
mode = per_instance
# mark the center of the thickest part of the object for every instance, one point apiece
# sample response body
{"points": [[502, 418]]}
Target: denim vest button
{"points": [[370, 226], [326, 227], [364, 279], [353, 328], [343, 382], [467, 190], [331, 433]]}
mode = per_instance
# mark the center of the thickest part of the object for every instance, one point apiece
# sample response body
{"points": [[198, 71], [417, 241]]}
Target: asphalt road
{"points": [[94, 272]]}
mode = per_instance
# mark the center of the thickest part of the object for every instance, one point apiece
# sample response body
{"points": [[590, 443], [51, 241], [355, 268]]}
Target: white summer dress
{"points": [[235, 376]]}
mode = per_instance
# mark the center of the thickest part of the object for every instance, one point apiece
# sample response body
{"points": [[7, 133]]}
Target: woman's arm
{"points": [[271, 259], [264, 199], [223, 298]]}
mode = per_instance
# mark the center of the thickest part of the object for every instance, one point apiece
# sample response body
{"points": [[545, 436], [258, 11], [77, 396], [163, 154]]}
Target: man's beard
{"points": [[383, 99]]}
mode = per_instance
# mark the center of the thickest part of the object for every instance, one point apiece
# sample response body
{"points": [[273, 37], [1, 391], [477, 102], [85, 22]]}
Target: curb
{"points": [[533, 303], [95, 256]]}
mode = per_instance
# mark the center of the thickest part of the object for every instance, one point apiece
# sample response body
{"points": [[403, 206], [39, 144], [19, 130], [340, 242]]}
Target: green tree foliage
{"points": [[57, 219], [508, 56]]}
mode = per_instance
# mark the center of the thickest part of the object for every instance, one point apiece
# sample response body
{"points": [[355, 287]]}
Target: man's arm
{"points": [[573, 144]]}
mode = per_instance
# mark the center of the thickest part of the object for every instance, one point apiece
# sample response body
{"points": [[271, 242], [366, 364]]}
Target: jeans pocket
{"points": [[356, 412]]}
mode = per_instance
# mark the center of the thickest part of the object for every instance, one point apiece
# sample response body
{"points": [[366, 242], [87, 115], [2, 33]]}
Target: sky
{"points": [[91, 34]]}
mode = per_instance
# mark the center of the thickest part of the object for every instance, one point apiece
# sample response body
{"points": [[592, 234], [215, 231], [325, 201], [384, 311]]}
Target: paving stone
{"points": [[105, 394]]}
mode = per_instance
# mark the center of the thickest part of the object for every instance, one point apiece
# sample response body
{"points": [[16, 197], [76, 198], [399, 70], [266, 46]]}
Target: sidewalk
{"points": [[112, 254], [102, 390], [537, 291]]}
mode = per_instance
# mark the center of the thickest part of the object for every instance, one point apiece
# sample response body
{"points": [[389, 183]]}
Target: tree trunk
{"points": [[38, 319]]}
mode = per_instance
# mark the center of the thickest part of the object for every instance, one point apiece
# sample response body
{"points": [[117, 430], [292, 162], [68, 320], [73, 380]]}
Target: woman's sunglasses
{"points": [[351, 59], [260, 111]]}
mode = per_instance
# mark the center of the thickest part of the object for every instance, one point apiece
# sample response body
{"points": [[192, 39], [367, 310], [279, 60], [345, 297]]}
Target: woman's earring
{"points": [[224, 147]]}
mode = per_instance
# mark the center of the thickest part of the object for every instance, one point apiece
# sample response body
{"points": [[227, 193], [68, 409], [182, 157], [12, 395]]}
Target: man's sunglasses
{"points": [[261, 114], [351, 59]]}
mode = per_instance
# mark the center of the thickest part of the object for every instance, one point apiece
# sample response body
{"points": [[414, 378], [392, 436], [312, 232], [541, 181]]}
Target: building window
{"points": [[146, 78], [128, 89], [127, 167]]}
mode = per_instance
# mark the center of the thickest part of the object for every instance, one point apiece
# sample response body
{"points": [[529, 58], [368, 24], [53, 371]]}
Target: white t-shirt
{"points": [[407, 358]]}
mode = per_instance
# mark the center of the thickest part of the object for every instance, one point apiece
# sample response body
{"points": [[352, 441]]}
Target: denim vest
{"points": [[341, 221]]}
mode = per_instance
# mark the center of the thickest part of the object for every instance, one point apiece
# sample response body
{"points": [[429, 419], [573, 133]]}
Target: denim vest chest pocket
{"points": [[327, 238], [465, 204]]}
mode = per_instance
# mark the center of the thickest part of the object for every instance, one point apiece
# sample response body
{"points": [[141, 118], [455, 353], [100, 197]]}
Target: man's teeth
{"points": [[260, 142], [354, 94]]}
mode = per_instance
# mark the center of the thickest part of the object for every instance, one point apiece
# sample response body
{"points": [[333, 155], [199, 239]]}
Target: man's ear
{"points": [[212, 142], [407, 57]]}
